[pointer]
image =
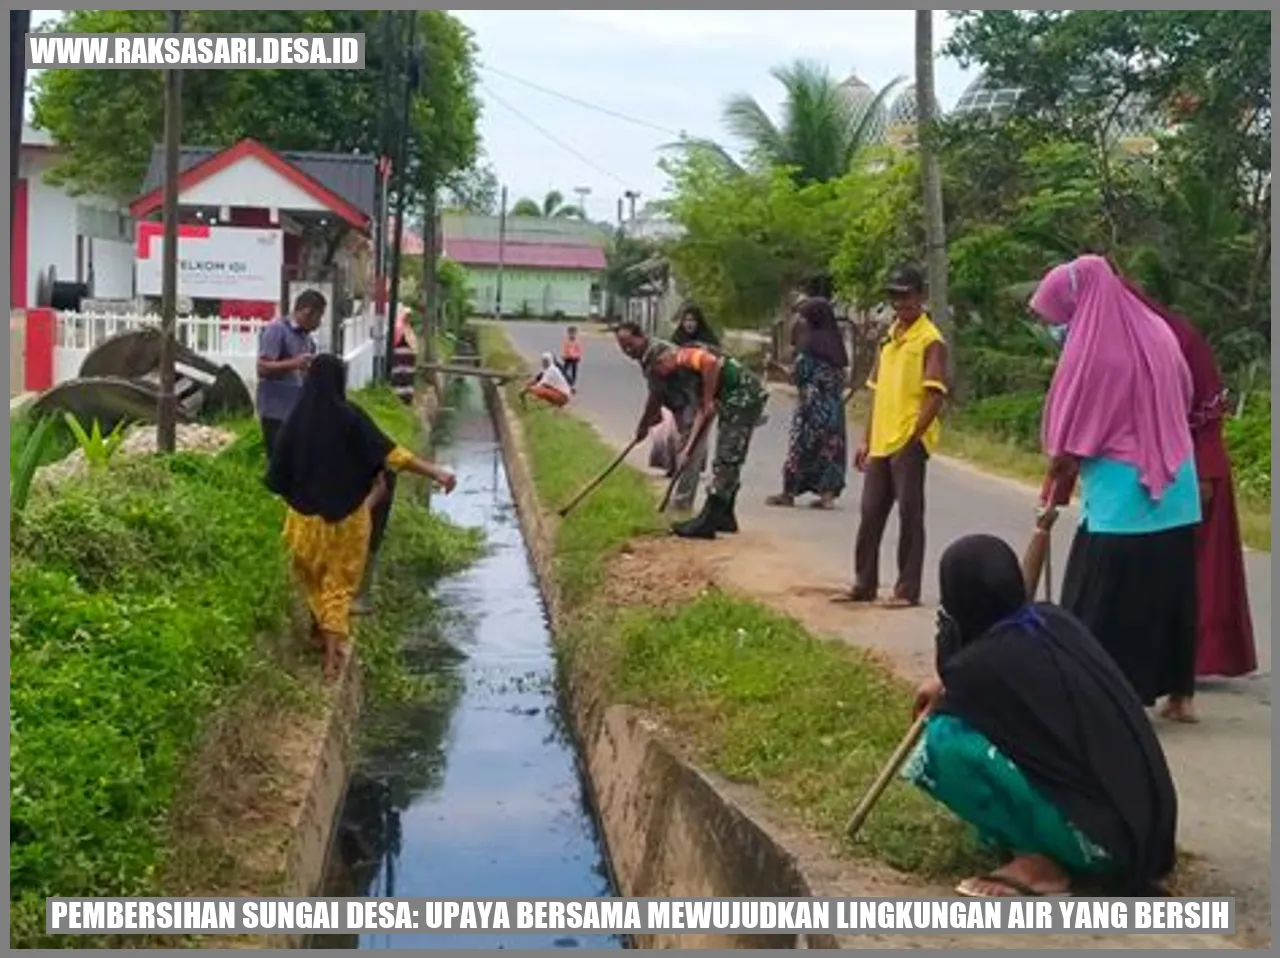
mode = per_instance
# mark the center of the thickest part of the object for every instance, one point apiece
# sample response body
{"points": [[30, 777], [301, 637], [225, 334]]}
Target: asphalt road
{"points": [[1222, 766]]}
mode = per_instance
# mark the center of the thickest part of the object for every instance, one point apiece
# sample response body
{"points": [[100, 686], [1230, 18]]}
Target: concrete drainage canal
{"points": [[475, 791]]}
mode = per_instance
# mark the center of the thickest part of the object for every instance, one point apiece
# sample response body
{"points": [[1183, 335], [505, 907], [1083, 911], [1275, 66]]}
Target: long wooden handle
{"points": [[572, 504], [890, 769]]}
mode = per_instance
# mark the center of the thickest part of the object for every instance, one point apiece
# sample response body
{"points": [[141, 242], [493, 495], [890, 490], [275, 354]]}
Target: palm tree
{"points": [[821, 131], [553, 206]]}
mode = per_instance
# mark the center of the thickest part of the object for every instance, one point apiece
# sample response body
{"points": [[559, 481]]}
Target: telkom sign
{"points": [[214, 262]]}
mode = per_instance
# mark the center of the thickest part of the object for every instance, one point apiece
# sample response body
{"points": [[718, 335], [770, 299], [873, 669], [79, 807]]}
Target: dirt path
{"points": [[795, 559]]}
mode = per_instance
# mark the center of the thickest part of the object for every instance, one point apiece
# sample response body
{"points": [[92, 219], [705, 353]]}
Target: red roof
{"points": [[525, 255]]}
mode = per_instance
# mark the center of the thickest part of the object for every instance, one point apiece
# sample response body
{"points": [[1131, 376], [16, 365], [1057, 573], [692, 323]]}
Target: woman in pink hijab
{"points": [[1117, 416]]}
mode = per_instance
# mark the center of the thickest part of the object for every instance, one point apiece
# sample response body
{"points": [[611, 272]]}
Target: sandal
{"points": [[968, 889], [855, 596], [898, 602], [825, 502], [781, 499]]}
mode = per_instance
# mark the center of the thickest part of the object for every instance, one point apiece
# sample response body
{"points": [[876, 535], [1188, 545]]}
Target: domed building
{"points": [[1135, 124], [861, 97], [900, 129], [982, 96]]}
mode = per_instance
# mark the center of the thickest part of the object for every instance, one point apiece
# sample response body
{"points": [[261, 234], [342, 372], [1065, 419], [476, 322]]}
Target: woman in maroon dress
{"points": [[1224, 642]]}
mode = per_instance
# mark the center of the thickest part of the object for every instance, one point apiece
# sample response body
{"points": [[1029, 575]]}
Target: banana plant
{"points": [[23, 470], [97, 448]]}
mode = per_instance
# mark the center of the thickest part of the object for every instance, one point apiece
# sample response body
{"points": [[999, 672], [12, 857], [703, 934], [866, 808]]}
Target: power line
{"points": [[556, 140], [582, 103]]}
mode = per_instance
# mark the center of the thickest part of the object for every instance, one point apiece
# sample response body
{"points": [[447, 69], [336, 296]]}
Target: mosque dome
{"points": [[903, 109], [859, 95], [984, 97]]}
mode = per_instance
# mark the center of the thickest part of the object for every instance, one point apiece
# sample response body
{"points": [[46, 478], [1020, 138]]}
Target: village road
{"points": [[1222, 766]]}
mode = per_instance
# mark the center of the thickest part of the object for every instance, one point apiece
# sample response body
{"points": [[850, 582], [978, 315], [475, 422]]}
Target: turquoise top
{"points": [[1113, 499]]}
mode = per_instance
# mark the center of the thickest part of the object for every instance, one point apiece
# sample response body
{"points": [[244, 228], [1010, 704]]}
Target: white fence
{"points": [[229, 341]]}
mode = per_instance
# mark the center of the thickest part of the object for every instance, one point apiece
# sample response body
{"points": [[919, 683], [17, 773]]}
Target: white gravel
{"points": [[141, 441]]}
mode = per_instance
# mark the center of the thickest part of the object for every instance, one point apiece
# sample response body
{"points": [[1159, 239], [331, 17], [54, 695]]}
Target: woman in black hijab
{"points": [[327, 464], [692, 327], [1036, 738], [817, 451]]}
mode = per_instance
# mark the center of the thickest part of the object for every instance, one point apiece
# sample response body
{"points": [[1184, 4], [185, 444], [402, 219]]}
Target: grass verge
{"points": [[751, 693], [149, 601]]}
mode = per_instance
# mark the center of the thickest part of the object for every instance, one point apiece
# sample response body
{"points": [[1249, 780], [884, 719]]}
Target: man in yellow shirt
{"points": [[908, 387]]}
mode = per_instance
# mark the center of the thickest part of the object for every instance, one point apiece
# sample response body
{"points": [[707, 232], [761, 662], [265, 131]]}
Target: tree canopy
{"points": [[108, 121], [819, 136]]}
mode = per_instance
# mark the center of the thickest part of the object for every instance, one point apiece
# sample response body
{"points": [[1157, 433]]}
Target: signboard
{"points": [[214, 262]]}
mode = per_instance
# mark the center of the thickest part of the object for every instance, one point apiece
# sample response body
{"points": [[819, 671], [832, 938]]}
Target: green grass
{"points": [[144, 599], [758, 699]]}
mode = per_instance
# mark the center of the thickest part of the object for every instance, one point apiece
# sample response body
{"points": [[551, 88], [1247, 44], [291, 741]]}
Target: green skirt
{"points": [[958, 766]]}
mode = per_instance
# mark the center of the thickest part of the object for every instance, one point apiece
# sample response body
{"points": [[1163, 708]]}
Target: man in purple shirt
{"points": [[285, 348]]}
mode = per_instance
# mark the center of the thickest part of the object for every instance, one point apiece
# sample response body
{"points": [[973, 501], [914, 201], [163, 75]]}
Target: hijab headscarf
{"points": [[1043, 691], [329, 452], [1122, 389], [552, 376], [818, 333], [1207, 388], [703, 335]]}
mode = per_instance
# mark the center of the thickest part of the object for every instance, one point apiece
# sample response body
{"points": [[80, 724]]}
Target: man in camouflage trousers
{"points": [[725, 389]]}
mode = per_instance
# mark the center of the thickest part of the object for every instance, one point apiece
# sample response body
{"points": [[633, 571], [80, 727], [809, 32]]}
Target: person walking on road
{"points": [[729, 391], [691, 329], [1117, 415], [1035, 738], [327, 464], [817, 450], [571, 356], [1224, 634], [285, 350], [908, 386]]}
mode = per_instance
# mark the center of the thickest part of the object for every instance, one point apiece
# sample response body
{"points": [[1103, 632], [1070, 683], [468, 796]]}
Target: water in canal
{"points": [[474, 792]]}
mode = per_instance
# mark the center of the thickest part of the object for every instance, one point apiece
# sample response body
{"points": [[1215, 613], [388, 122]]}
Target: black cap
{"points": [[905, 278]]}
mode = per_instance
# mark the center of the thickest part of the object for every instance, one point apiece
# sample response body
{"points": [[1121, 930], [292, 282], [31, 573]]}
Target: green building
{"points": [[551, 268]]}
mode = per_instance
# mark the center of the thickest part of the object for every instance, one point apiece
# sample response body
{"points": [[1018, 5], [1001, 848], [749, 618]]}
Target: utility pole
{"points": [[430, 219], [167, 413], [926, 137], [385, 150], [583, 192], [502, 252], [632, 196], [619, 212], [19, 24], [410, 82]]}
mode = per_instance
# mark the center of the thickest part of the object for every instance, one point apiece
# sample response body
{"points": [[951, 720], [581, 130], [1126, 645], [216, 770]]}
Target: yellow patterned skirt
{"points": [[328, 562]]}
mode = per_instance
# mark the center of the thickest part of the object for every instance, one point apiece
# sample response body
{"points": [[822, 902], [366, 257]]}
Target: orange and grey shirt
{"points": [[911, 362], [571, 349]]}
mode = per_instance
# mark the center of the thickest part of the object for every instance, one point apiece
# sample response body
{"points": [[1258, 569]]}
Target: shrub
{"points": [[1014, 418], [988, 372], [1248, 438]]}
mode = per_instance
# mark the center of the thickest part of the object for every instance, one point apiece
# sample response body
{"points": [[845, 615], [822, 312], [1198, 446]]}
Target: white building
{"points": [[86, 239]]}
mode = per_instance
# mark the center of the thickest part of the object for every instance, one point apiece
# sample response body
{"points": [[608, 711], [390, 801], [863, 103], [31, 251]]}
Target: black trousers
{"points": [[570, 367], [898, 478], [270, 429]]}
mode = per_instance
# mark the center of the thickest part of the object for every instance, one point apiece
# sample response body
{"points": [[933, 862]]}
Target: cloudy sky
{"points": [[667, 71]]}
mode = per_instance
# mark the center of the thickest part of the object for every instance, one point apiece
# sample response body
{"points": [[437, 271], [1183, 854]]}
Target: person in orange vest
{"points": [[571, 356]]}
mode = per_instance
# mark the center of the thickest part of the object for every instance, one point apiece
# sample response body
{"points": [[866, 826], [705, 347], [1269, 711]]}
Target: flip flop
{"points": [[782, 502], [966, 890], [822, 504], [854, 597], [897, 602]]}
